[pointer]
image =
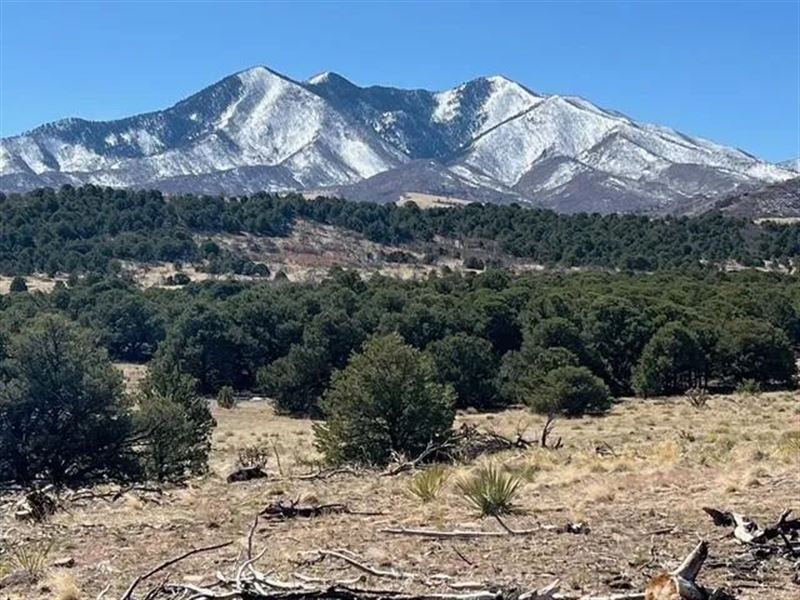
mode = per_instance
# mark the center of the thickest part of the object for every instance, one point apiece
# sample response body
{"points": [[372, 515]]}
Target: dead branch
{"points": [[167, 563], [467, 534], [549, 424], [747, 531], [431, 450], [328, 473], [366, 568], [282, 510]]}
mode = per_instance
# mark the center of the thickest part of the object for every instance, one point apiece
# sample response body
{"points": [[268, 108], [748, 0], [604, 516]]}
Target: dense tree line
{"points": [[91, 228], [493, 337]]}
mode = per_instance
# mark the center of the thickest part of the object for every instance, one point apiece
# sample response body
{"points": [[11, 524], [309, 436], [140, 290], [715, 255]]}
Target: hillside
{"points": [[93, 229], [490, 139], [777, 200]]}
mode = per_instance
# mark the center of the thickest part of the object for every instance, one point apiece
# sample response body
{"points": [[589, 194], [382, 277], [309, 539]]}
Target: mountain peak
{"points": [[261, 130]]}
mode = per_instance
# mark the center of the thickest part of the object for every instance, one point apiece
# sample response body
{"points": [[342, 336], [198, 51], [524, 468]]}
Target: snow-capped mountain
{"points": [[490, 139], [792, 164]]}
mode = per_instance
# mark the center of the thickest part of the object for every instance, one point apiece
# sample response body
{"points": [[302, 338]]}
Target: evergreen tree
{"points": [[386, 401]]}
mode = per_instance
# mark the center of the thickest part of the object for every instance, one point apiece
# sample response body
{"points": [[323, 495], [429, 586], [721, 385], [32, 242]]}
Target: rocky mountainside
{"points": [[489, 140], [777, 200]]}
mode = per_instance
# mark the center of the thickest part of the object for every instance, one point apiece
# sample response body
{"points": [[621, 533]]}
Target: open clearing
{"points": [[637, 477]]}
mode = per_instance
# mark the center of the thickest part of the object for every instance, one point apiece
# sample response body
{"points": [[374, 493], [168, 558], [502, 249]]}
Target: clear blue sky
{"points": [[728, 71]]}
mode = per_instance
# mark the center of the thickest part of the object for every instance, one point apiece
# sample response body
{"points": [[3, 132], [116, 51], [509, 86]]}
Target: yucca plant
{"points": [[33, 558], [490, 490], [427, 484]]}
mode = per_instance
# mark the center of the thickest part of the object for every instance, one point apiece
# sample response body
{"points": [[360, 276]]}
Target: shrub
{"points": [[672, 362], [296, 381], [475, 263], [427, 484], [254, 456], [749, 388], [63, 413], [490, 490], [386, 401], [572, 391], [18, 285], [175, 426], [756, 350], [789, 444], [178, 278], [522, 372], [33, 558], [470, 365], [225, 397], [697, 396]]}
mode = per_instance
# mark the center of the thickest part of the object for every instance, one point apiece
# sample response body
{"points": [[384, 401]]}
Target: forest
{"points": [[486, 333], [351, 349], [91, 229]]}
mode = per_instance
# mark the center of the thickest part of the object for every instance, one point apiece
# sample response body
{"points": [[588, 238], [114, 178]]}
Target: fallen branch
{"points": [[467, 534], [282, 510], [747, 531], [168, 563], [328, 473]]}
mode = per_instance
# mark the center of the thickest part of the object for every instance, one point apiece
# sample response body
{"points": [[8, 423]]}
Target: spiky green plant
{"points": [[33, 558], [427, 484], [490, 489]]}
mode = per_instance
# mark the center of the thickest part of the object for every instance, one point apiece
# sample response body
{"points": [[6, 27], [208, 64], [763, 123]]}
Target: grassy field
{"points": [[637, 478]]}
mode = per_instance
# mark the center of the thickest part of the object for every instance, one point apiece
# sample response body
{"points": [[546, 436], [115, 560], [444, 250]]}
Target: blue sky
{"points": [[728, 71]]}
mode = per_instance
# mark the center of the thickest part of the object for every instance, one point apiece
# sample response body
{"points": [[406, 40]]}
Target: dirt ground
{"points": [[637, 478]]}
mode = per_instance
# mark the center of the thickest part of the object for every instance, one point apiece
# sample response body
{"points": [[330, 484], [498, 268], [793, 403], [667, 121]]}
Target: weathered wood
{"points": [[680, 584]]}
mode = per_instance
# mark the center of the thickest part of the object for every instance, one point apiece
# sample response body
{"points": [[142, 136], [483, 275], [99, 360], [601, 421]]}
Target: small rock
{"points": [[66, 562]]}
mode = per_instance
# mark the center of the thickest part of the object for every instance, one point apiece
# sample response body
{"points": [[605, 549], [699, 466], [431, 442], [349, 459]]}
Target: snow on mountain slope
{"points": [[490, 139], [253, 118], [792, 164]]}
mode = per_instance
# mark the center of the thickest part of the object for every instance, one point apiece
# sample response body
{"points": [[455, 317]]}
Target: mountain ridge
{"points": [[259, 129]]}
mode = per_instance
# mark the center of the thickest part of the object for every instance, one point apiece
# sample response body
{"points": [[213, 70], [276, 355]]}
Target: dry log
{"points": [[680, 584]]}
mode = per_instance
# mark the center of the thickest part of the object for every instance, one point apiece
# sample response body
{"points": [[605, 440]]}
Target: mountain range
{"points": [[488, 140]]}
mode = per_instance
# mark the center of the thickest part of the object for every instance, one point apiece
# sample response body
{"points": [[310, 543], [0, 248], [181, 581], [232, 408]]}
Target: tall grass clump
{"points": [[427, 484], [490, 490], [32, 559]]}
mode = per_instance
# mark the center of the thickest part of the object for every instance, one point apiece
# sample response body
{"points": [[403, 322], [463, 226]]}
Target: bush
{"points": [[523, 372], [251, 457], [572, 391], [18, 285], [672, 362], [386, 401], [178, 278], [758, 351], [427, 484], [63, 413], [490, 490], [470, 365], [175, 426], [749, 388], [225, 397], [296, 381], [475, 263]]}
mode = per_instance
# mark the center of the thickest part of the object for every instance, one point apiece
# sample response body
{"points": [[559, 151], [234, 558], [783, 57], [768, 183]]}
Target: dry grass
{"points": [[649, 466]]}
